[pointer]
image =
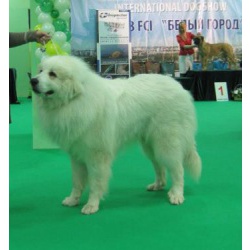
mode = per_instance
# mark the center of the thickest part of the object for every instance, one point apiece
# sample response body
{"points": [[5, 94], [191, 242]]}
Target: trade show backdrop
{"points": [[154, 25]]}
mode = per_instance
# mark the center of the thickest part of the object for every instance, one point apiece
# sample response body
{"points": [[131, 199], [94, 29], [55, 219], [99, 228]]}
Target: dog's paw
{"points": [[175, 198], [70, 201], [90, 209], [155, 187]]}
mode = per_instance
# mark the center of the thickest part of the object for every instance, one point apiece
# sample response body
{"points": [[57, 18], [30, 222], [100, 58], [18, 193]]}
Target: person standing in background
{"points": [[186, 52]]}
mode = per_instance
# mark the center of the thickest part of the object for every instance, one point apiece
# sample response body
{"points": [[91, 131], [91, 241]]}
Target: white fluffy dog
{"points": [[91, 118]]}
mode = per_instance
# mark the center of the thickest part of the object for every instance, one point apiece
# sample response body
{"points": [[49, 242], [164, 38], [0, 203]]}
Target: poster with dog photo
{"points": [[114, 47], [114, 60]]}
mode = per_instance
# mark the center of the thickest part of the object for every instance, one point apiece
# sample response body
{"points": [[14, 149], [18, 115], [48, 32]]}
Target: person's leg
{"points": [[190, 62], [182, 65]]}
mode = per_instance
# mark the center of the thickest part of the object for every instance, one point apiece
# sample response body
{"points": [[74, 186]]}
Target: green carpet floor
{"points": [[130, 218]]}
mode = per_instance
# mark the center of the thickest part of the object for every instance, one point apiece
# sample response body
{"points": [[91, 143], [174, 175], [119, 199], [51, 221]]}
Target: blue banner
{"points": [[154, 24]]}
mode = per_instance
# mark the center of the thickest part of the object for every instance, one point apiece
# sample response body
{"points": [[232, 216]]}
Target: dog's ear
{"points": [[76, 89], [73, 85]]}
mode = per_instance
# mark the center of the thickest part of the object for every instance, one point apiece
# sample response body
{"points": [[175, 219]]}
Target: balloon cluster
{"points": [[53, 17]]}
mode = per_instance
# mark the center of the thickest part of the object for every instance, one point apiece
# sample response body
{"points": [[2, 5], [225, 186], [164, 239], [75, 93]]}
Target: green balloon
{"points": [[46, 6], [60, 24], [68, 35], [54, 13], [38, 1]]}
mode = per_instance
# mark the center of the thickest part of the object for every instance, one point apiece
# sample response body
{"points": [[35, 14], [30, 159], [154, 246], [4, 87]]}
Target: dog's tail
{"points": [[192, 163]]}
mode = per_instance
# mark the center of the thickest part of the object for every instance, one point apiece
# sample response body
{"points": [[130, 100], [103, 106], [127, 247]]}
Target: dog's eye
{"points": [[52, 74]]}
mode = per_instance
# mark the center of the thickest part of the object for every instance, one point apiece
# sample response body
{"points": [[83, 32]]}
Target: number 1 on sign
{"points": [[221, 91]]}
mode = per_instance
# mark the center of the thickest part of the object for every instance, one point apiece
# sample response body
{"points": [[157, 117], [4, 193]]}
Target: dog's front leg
{"points": [[98, 178], [204, 63], [79, 178]]}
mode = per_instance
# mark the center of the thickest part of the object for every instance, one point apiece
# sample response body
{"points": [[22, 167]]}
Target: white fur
{"points": [[91, 118]]}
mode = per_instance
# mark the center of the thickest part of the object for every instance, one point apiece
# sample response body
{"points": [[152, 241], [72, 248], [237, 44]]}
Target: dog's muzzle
{"points": [[34, 83], [196, 41]]}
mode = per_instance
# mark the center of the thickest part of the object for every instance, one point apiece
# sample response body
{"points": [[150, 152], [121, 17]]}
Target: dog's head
{"points": [[198, 40], [57, 78]]}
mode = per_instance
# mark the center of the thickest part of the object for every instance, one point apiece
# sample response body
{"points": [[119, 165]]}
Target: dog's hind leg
{"points": [[79, 179], [176, 171], [160, 179], [99, 171], [232, 62], [168, 154], [160, 173]]}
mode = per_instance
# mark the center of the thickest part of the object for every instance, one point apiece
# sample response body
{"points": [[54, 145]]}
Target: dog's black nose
{"points": [[33, 81]]}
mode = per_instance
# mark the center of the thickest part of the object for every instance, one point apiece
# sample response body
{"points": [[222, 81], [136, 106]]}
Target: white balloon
{"points": [[44, 18], [38, 10], [66, 47], [61, 5], [39, 53], [65, 15], [59, 37], [49, 28]]}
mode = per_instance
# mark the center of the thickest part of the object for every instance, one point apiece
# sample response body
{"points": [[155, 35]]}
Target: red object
{"points": [[182, 42]]}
